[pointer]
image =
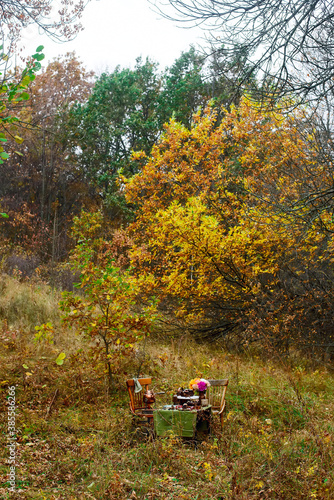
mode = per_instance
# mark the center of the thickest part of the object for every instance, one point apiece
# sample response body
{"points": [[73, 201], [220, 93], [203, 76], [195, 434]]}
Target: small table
{"points": [[183, 423]]}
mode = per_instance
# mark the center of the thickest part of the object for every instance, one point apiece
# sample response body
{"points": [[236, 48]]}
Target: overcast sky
{"points": [[117, 32]]}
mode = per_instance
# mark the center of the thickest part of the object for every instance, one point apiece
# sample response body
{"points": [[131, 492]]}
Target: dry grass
{"points": [[24, 304], [277, 441]]}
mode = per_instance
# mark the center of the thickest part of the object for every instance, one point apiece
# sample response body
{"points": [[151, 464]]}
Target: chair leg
{"points": [[150, 421]]}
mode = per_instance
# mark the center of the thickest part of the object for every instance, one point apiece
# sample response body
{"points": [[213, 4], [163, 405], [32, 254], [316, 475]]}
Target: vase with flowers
{"points": [[199, 385]]}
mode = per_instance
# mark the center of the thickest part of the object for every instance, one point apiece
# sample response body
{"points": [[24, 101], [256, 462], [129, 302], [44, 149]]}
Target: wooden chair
{"points": [[138, 408], [216, 397]]}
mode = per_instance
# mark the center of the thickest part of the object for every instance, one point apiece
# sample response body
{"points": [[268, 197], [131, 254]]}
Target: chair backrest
{"points": [[216, 393], [136, 399]]}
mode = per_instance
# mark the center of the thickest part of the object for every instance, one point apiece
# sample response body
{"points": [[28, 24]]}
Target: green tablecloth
{"points": [[180, 423]]}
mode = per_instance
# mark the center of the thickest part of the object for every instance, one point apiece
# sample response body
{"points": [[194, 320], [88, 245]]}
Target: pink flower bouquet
{"points": [[199, 384]]}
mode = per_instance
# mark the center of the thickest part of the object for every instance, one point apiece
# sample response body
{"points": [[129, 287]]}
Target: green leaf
{"points": [[4, 155], [4, 215], [25, 96], [38, 57], [40, 48], [25, 367]]}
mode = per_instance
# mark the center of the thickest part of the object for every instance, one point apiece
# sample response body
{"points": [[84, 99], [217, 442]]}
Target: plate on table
{"points": [[188, 398]]}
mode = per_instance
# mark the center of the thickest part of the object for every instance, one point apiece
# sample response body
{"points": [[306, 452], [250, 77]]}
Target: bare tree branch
{"points": [[57, 18], [290, 43]]}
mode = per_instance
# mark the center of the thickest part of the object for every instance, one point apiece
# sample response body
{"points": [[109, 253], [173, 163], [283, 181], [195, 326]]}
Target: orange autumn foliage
{"points": [[219, 218]]}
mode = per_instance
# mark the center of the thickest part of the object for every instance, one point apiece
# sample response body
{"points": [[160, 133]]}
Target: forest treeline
{"points": [[213, 207]]}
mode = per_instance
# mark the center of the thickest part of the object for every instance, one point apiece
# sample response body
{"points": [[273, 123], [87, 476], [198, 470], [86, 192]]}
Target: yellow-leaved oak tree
{"points": [[220, 225]]}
